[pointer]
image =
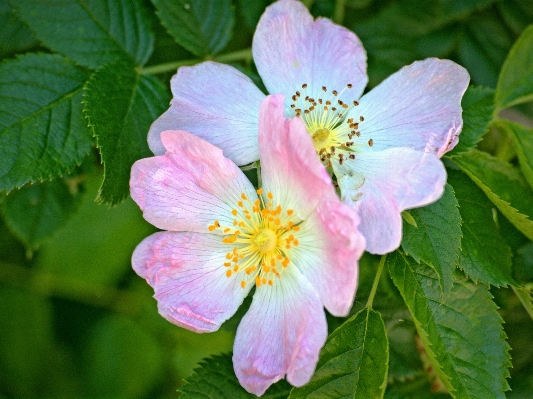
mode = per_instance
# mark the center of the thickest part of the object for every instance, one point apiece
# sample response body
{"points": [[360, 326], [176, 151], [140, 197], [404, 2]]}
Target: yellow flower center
{"points": [[261, 236]]}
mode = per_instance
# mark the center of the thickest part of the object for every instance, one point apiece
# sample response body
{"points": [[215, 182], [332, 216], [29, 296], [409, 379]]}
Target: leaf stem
{"points": [[245, 54], [338, 13], [376, 282]]}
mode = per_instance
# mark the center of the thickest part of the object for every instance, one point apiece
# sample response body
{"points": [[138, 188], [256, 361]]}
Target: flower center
{"points": [[260, 237], [334, 136]]}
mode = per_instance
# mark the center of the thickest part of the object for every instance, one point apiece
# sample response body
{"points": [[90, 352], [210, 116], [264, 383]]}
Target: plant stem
{"points": [[338, 14], [376, 282], [245, 54]]}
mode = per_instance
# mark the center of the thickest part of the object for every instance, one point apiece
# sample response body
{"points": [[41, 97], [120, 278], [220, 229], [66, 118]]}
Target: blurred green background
{"points": [[75, 320]]}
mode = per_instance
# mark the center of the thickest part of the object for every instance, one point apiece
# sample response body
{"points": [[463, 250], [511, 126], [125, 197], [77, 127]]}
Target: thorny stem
{"points": [[376, 282], [245, 54], [338, 14]]}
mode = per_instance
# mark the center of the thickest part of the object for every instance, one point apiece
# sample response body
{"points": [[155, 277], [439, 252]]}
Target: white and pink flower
{"points": [[292, 239], [383, 147]]}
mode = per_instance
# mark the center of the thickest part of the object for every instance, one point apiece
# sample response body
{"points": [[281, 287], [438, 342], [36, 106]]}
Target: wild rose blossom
{"points": [[292, 239], [383, 147]]}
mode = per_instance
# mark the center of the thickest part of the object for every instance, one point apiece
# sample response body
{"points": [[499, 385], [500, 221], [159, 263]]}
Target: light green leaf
{"points": [[484, 254], [409, 219], [523, 139], [515, 84], [215, 379], [462, 333], [43, 133], [122, 360], [121, 105], [437, 239], [203, 27], [478, 106], [353, 362], [36, 211], [504, 185], [91, 33]]}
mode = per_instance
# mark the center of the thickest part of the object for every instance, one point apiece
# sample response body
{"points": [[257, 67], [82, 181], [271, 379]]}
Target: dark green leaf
{"points": [[478, 106], [525, 297], [504, 185], [437, 239], [91, 33], [95, 246], [515, 84], [484, 255], [36, 211], [517, 14], [122, 360], [215, 379], [203, 27], [462, 333], [120, 105], [523, 139], [43, 133], [17, 36], [353, 362], [252, 10]]}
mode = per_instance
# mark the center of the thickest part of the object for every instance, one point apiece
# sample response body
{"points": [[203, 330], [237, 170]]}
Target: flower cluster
{"points": [[338, 168]]}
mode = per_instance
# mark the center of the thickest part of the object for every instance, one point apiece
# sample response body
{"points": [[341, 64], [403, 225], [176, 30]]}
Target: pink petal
{"points": [[282, 333], [217, 103], [187, 273], [394, 180], [289, 165], [417, 107], [330, 246], [189, 187], [291, 49]]}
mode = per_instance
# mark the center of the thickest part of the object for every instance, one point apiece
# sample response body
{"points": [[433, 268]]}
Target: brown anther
{"points": [[306, 98], [340, 102], [293, 106], [328, 102], [325, 108], [358, 134], [324, 88], [351, 156], [306, 111], [297, 93], [298, 110], [349, 85], [340, 161], [294, 98], [321, 151], [312, 108], [334, 109], [370, 142], [304, 85], [344, 105], [320, 101], [335, 92], [361, 118], [332, 149], [355, 103], [340, 116]]}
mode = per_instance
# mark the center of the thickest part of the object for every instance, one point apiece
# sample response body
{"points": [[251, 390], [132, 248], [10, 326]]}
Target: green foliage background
{"points": [[80, 83]]}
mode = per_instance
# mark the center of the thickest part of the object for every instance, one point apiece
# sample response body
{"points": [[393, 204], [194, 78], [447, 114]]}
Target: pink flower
{"points": [[382, 147], [292, 239]]}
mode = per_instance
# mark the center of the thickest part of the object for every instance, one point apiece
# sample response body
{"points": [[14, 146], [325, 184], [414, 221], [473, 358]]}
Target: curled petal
{"points": [[417, 107], [217, 103], [289, 164], [330, 246], [188, 188], [187, 273], [394, 180], [291, 49], [281, 333]]}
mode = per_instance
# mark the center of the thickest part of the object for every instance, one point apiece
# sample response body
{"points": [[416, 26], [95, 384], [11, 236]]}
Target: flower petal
{"points": [[187, 273], [217, 103], [291, 49], [394, 180], [282, 333], [329, 247], [417, 107], [189, 187], [289, 165]]}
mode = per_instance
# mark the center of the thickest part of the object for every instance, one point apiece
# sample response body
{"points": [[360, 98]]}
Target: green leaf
{"points": [[525, 297], [523, 139], [437, 239], [478, 106], [404, 359], [36, 211], [484, 254], [120, 105], [353, 362], [215, 379], [91, 33], [203, 27], [43, 133], [20, 38], [515, 84], [252, 10], [94, 247], [504, 185], [462, 333], [122, 360]]}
